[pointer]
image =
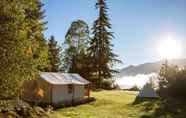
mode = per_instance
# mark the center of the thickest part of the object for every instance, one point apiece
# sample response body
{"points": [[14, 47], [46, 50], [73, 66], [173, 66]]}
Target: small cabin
{"points": [[57, 88]]}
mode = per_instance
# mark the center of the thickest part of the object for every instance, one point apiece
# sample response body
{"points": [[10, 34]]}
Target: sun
{"points": [[169, 48]]}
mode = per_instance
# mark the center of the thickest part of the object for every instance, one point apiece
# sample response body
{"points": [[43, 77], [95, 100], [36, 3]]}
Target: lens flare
{"points": [[169, 48]]}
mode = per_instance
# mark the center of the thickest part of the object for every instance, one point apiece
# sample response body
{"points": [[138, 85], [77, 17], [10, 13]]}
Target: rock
{"points": [[20, 109], [39, 111]]}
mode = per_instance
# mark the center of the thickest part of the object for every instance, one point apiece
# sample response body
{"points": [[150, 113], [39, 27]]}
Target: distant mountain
{"points": [[148, 68]]}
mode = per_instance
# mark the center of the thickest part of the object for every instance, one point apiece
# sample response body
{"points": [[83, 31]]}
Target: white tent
{"points": [[148, 91]]}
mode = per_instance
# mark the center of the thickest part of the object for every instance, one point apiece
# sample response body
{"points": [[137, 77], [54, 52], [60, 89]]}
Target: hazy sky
{"points": [[139, 25]]}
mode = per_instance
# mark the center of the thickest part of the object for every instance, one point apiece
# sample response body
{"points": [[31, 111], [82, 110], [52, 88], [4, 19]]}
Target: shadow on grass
{"points": [[139, 100], [146, 103], [162, 108], [75, 103], [98, 90]]}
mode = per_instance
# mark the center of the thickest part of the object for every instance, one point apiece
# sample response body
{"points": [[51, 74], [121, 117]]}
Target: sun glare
{"points": [[169, 48]]}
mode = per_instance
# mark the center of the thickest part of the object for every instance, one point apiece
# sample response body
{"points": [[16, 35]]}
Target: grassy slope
{"points": [[120, 104]]}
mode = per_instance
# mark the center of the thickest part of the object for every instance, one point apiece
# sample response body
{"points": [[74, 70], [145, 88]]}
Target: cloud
{"points": [[140, 80]]}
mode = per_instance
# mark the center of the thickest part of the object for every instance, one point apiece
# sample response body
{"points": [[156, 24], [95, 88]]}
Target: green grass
{"points": [[123, 104]]}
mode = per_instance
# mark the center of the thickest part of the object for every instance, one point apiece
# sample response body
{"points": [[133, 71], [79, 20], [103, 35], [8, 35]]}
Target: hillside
{"points": [[148, 68]]}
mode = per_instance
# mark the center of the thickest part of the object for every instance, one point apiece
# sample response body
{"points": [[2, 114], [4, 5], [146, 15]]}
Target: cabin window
{"points": [[70, 87]]}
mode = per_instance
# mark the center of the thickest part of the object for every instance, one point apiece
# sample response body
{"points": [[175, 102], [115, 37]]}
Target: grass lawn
{"points": [[123, 104]]}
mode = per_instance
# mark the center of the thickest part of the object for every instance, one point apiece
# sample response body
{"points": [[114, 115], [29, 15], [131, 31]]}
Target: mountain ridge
{"points": [[147, 68]]}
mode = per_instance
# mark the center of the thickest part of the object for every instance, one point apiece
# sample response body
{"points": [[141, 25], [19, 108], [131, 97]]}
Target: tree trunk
{"points": [[99, 77]]}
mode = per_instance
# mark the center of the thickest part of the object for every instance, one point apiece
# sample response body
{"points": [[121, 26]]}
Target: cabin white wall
{"points": [[60, 93], [79, 92]]}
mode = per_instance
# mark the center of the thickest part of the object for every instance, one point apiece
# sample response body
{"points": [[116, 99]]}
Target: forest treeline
{"points": [[25, 51]]}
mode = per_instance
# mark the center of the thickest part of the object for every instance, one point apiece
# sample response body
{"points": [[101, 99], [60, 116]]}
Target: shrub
{"points": [[107, 84], [134, 88]]}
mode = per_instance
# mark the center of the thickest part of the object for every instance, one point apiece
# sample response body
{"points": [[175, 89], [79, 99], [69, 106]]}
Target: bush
{"points": [[107, 84], [134, 88]]}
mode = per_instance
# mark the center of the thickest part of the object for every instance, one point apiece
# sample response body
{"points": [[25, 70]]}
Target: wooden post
{"points": [[51, 93], [72, 94]]}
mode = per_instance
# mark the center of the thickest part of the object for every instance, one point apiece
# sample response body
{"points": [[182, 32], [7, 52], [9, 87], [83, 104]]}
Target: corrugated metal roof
{"points": [[63, 78]]}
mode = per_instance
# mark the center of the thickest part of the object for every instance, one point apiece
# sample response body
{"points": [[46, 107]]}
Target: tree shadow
{"points": [[139, 100], [162, 108], [84, 101], [146, 103], [170, 107]]}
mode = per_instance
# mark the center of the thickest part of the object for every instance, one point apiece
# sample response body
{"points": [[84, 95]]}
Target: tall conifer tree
{"points": [[101, 51], [54, 55], [36, 27], [23, 50], [15, 59], [76, 44]]}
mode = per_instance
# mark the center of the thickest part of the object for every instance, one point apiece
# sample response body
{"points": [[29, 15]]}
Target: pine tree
{"points": [[54, 55], [76, 44], [15, 62], [100, 49], [23, 50], [36, 26], [171, 80], [163, 76]]}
